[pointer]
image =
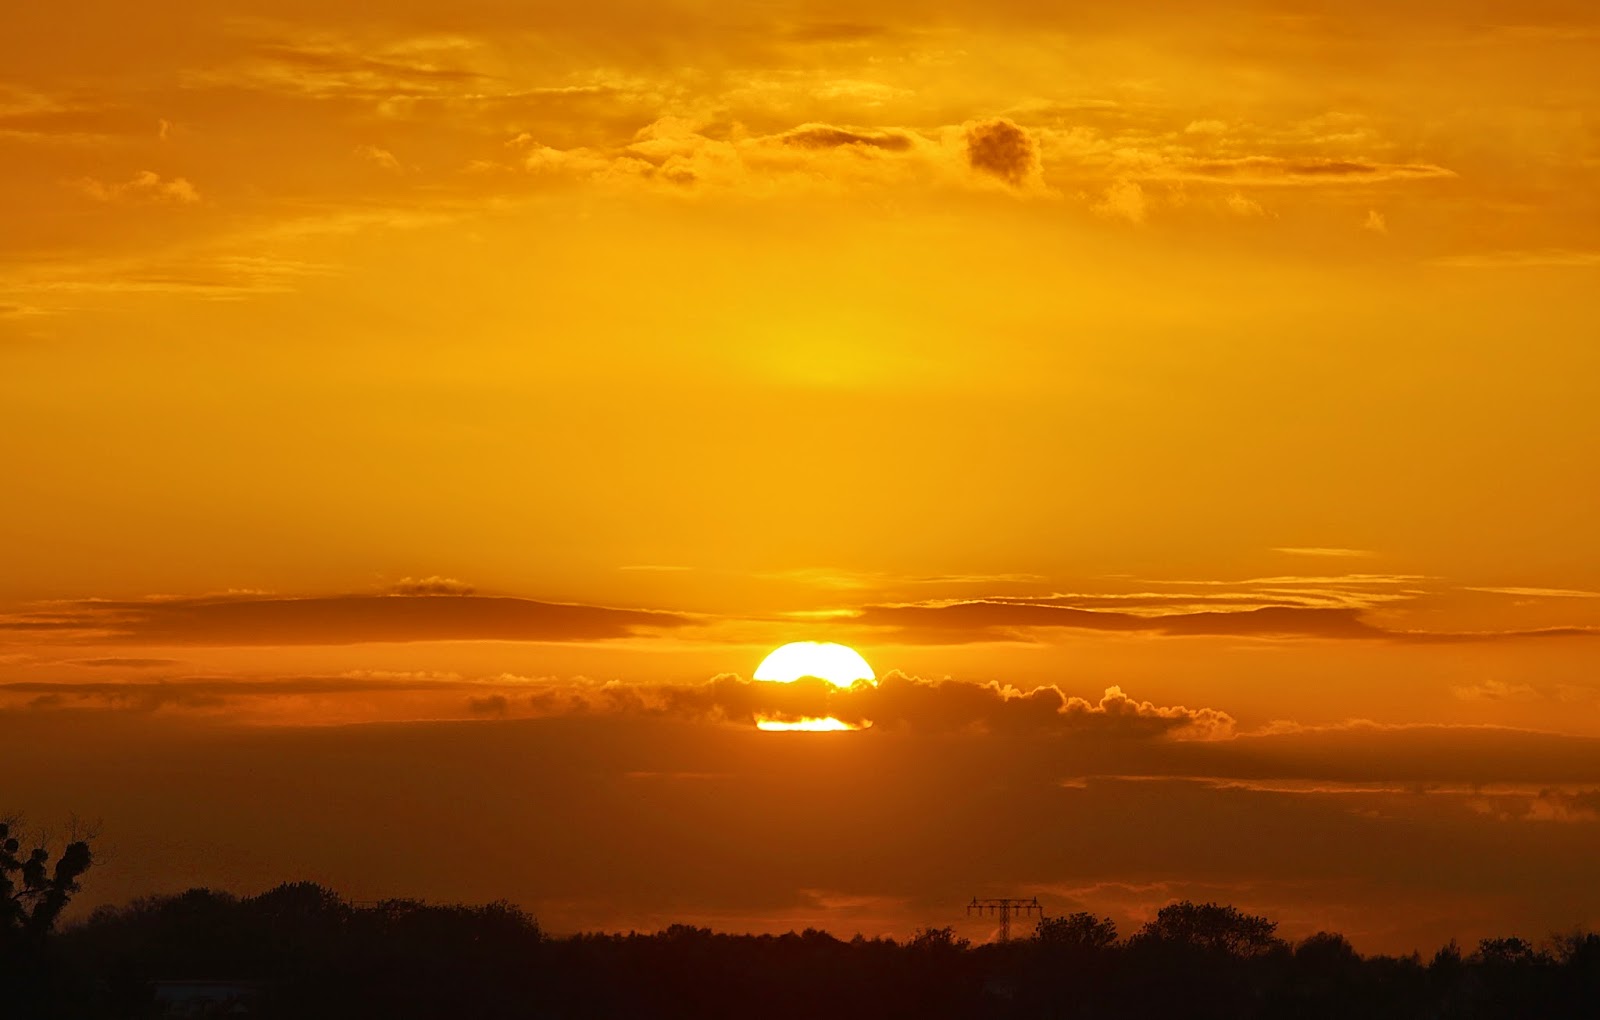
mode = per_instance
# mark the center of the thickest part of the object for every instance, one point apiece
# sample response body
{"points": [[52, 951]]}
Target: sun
{"points": [[840, 665]]}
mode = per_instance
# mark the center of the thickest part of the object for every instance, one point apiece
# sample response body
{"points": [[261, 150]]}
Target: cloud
{"points": [[43, 119], [1002, 149], [211, 277], [897, 702], [497, 705], [1376, 822], [295, 699], [1329, 552], [347, 61], [1495, 690], [382, 158], [1012, 619], [1550, 805], [434, 585], [406, 68], [127, 663], [1541, 258], [688, 155], [1123, 200], [837, 32], [144, 186], [252, 697], [822, 136], [1002, 709], [1375, 222], [1277, 170], [996, 620], [1145, 603], [1241, 206], [425, 615], [1340, 580], [1542, 593]]}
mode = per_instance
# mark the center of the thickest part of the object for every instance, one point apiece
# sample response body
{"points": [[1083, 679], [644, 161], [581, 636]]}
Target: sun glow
{"points": [[838, 664], [806, 725]]}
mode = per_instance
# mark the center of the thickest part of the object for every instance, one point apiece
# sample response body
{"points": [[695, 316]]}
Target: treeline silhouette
{"points": [[301, 951]]}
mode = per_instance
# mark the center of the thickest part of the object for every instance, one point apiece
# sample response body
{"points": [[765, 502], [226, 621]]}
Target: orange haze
{"points": [[418, 420]]}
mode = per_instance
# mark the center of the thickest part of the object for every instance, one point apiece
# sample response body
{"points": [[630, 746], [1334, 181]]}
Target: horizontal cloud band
{"points": [[336, 620]]}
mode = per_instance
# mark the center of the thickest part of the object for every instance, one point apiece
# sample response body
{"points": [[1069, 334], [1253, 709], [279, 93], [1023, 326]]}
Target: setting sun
{"points": [[838, 664], [808, 725]]}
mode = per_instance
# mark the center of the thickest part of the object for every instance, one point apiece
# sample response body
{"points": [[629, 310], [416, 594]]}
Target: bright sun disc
{"points": [[840, 665], [807, 725]]}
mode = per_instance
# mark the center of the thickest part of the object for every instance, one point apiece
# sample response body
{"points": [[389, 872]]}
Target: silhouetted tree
{"points": [[310, 955], [1080, 930], [32, 893], [1324, 949], [1209, 926], [934, 940], [1507, 951], [34, 981]]}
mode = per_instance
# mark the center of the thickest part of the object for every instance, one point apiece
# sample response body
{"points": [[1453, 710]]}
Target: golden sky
{"points": [[444, 395]]}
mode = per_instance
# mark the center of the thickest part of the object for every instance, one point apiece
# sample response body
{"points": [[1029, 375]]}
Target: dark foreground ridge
{"points": [[301, 951]]}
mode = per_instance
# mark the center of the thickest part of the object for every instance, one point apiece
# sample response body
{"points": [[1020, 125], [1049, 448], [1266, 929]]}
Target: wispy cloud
{"points": [[1525, 259], [1542, 593], [1298, 172], [1327, 552], [1016, 620], [430, 610], [144, 186]]}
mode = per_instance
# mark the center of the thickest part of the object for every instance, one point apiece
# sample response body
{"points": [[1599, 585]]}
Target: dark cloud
{"points": [[989, 621], [489, 705], [114, 662], [342, 619], [996, 620], [623, 820], [1274, 169], [898, 701], [211, 692], [1002, 149], [822, 136]]}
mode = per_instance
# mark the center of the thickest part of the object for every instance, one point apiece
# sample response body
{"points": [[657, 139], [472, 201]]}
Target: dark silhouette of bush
{"points": [[937, 940], [315, 955], [1078, 931]]}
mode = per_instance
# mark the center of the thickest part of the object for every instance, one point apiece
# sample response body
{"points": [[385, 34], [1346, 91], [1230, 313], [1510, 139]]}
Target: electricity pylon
{"points": [[1005, 907]]}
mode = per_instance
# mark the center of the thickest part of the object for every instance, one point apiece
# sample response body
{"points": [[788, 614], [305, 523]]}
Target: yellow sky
{"points": [[1243, 358]]}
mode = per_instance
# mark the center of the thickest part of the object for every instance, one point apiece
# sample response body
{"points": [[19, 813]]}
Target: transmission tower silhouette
{"points": [[1005, 907]]}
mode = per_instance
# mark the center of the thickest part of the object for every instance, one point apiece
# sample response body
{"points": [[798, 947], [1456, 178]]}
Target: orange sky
{"points": [[485, 378]]}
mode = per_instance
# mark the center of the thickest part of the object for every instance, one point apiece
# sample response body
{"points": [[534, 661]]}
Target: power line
{"points": [[1005, 907]]}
